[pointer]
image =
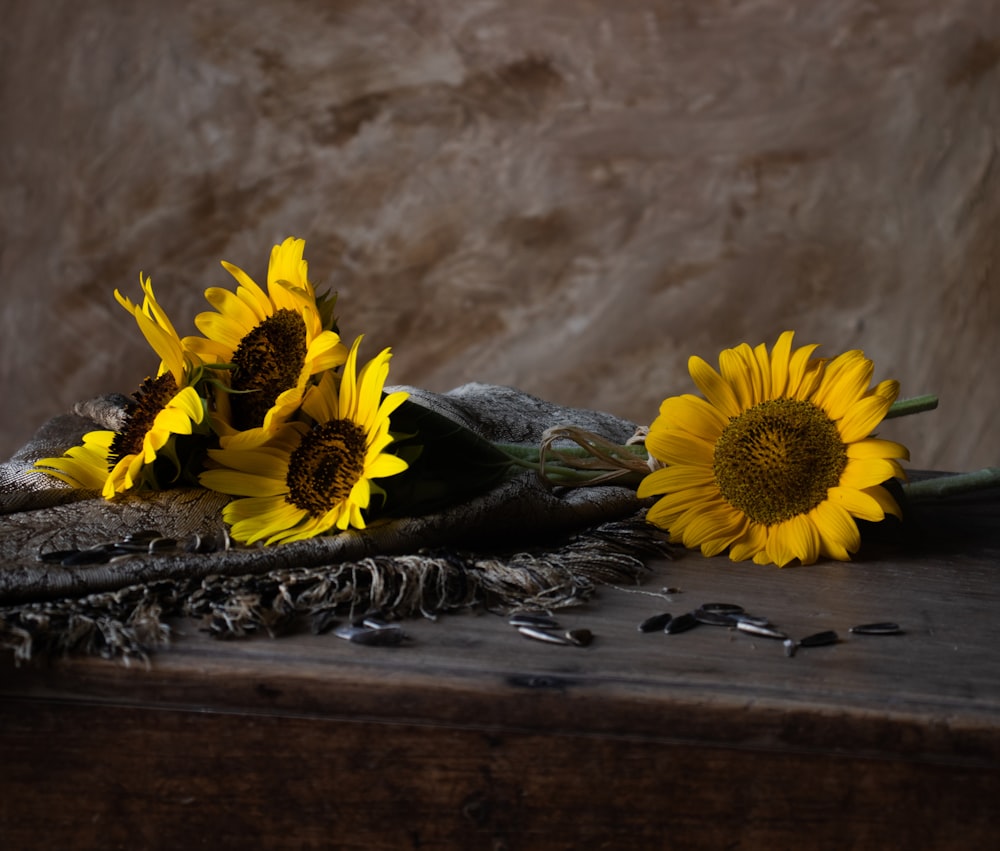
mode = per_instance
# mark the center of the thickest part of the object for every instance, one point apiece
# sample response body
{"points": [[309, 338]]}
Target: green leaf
{"points": [[448, 463]]}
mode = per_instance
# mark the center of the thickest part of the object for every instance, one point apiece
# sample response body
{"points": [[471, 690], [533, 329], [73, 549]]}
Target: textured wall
{"points": [[566, 197]]}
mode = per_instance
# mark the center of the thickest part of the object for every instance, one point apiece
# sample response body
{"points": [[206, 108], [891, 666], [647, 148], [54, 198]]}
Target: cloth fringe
{"points": [[130, 623]]}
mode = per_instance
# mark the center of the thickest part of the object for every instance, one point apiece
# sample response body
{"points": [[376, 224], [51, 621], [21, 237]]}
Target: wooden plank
{"points": [[472, 736]]}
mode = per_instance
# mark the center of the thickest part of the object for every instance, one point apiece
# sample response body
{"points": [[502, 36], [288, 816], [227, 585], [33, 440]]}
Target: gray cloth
{"points": [[39, 517]]}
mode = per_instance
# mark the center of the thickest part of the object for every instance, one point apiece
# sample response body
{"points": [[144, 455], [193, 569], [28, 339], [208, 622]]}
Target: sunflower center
{"points": [[777, 460], [325, 466], [268, 361], [151, 398]]}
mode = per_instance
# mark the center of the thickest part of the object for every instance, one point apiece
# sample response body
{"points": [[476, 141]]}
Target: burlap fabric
{"points": [[520, 544]]}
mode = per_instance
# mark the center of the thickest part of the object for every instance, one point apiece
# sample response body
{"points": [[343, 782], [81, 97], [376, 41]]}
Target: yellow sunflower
{"points": [[306, 480], [275, 342], [777, 460], [164, 406]]}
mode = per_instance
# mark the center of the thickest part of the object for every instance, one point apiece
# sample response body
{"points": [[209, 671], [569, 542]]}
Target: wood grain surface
{"points": [[471, 736]]}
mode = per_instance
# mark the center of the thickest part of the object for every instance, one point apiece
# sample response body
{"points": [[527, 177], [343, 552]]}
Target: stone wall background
{"points": [[566, 197]]}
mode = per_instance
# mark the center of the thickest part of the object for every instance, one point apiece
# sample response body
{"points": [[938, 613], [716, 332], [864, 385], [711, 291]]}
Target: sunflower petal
{"points": [[751, 543], [678, 447], [838, 532], [252, 295], [741, 374], [874, 447], [868, 473], [785, 541], [798, 366], [220, 329], [709, 527], [675, 478], [242, 484], [780, 361], [764, 364], [850, 386], [885, 500], [857, 503], [862, 418], [715, 388], [699, 417], [385, 465]]}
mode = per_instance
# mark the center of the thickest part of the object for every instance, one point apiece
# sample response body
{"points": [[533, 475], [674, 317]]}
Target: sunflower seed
{"points": [[94, 555], [538, 620], [371, 637], [143, 536], [681, 623], [580, 637], [714, 618], [656, 623], [762, 631], [790, 647], [56, 556], [753, 620], [887, 628], [722, 608], [819, 639], [543, 635], [133, 546], [378, 622], [390, 637]]}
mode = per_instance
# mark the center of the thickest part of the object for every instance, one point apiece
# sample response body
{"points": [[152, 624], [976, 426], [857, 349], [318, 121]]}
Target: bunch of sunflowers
{"points": [[268, 405], [774, 462]]}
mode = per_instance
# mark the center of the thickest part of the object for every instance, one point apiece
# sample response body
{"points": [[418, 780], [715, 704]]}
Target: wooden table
{"points": [[472, 736]]}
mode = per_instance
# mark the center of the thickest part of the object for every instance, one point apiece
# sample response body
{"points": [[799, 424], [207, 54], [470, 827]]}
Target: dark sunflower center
{"points": [[777, 459], [151, 398], [268, 361], [325, 466]]}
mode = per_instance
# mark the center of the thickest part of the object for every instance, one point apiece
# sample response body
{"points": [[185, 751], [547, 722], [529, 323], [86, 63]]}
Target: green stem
{"points": [[905, 407], [557, 473], [941, 487]]}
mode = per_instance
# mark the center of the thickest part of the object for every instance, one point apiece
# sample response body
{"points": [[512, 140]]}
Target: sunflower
{"points": [[275, 341], [308, 479], [777, 460], [163, 407]]}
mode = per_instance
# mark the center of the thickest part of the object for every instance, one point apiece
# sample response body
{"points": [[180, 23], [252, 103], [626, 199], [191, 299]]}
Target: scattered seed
{"points": [[378, 622], [143, 536], [128, 546], [712, 618], [762, 631], [371, 637], [580, 637], [790, 647], [543, 635], [681, 623], [819, 639], [94, 555], [656, 623], [887, 628], [56, 556], [537, 620], [753, 620], [722, 608]]}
